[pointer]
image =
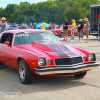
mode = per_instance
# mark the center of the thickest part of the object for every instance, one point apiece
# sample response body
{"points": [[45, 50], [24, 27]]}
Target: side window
{"points": [[6, 37]]}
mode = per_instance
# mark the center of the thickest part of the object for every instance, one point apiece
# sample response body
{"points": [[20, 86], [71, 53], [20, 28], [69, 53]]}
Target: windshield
{"points": [[38, 36]]}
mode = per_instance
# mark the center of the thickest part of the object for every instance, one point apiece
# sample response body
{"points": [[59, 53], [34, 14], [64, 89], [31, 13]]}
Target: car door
{"points": [[6, 56]]}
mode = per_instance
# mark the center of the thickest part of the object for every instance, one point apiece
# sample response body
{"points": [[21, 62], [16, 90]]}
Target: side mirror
{"points": [[7, 42]]}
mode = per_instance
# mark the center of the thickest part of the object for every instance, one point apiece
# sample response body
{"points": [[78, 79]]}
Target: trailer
{"points": [[95, 18]]}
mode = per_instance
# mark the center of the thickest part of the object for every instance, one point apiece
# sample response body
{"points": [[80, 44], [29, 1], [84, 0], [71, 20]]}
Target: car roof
{"points": [[21, 30]]}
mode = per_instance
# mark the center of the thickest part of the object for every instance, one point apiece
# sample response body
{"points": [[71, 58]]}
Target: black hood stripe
{"points": [[63, 47], [58, 51]]}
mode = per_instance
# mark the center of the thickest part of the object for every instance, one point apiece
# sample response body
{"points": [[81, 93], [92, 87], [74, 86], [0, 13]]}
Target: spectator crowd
{"points": [[80, 27]]}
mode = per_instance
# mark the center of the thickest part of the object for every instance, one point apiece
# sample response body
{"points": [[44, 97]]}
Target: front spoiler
{"points": [[66, 69]]}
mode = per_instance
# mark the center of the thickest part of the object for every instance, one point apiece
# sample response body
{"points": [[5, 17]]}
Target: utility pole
{"points": [[26, 18]]}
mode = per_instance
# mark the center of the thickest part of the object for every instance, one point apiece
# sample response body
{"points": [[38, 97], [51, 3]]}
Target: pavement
{"points": [[54, 88]]}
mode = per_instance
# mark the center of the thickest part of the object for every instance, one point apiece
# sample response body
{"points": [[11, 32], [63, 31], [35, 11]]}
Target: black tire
{"points": [[61, 35], [81, 74], [25, 73]]}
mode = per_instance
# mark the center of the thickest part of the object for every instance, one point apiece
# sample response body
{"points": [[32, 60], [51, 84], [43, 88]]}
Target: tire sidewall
{"points": [[28, 73]]}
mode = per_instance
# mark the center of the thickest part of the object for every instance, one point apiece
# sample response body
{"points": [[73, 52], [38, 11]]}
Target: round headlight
{"points": [[42, 62], [92, 57]]}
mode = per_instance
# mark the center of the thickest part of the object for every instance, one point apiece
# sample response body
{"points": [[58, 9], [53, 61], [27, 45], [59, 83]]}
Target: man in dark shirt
{"points": [[65, 29], [80, 30]]}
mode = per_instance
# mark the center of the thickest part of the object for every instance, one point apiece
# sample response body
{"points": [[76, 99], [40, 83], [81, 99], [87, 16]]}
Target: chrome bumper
{"points": [[65, 69]]}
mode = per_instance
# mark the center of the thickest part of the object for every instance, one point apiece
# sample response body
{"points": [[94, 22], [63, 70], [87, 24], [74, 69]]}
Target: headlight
{"points": [[42, 62], [92, 57]]}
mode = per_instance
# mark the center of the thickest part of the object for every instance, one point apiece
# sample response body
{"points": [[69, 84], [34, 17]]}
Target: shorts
{"points": [[80, 34], [87, 33], [65, 32]]}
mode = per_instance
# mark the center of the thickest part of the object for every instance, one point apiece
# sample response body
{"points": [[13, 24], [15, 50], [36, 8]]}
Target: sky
{"points": [[3, 3]]}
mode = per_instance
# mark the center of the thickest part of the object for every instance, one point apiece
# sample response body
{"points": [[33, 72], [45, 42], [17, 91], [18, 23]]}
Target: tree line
{"points": [[49, 11]]}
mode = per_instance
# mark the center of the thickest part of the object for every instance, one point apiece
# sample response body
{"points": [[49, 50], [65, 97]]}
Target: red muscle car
{"points": [[59, 32], [37, 52]]}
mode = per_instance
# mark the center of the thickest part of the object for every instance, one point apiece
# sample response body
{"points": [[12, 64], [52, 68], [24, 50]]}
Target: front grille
{"points": [[68, 61]]}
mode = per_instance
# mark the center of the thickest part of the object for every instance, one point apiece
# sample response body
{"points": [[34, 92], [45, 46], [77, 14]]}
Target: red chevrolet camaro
{"points": [[37, 52], [59, 32]]}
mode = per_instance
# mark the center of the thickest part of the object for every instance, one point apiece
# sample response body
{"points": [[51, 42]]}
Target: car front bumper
{"points": [[66, 69]]}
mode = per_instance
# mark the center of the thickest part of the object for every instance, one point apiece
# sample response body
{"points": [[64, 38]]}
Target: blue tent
{"points": [[38, 25]]}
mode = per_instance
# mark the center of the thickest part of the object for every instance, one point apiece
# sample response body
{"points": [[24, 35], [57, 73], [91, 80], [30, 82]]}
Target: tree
{"points": [[48, 11], [75, 12], [2, 12], [9, 10]]}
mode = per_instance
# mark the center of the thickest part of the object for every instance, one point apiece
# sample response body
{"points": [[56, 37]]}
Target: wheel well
{"points": [[18, 60], [61, 32]]}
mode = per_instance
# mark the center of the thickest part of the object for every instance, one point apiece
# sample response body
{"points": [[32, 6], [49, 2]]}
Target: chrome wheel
{"points": [[25, 73], [21, 71]]}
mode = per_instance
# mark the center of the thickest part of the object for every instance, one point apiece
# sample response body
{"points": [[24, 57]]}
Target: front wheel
{"points": [[61, 35], [25, 73], [81, 74]]}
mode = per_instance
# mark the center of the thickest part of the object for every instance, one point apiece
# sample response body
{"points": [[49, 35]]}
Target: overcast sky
{"points": [[3, 3]]}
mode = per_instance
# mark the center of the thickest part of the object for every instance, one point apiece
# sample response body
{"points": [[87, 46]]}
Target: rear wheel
{"points": [[25, 73], [81, 74], [61, 35]]}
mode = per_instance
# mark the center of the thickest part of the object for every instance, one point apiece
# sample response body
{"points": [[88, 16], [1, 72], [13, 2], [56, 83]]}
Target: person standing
{"points": [[80, 30], [14, 25], [50, 25], [3, 24], [73, 27], [65, 29], [53, 26], [43, 26], [87, 27], [34, 26]]}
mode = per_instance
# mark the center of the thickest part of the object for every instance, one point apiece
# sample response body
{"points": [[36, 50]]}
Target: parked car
{"points": [[37, 52], [11, 28], [59, 32]]}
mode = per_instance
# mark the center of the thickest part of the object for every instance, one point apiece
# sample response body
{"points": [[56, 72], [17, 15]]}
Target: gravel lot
{"points": [[54, 88]]}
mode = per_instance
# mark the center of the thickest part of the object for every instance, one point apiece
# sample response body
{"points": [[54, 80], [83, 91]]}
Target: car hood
{"points": [[58, 50]]}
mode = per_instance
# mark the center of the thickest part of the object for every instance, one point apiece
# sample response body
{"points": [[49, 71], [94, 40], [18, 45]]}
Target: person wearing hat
{"points": [[80, 30], [65, 29], [87, 28], [3, 24]]}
